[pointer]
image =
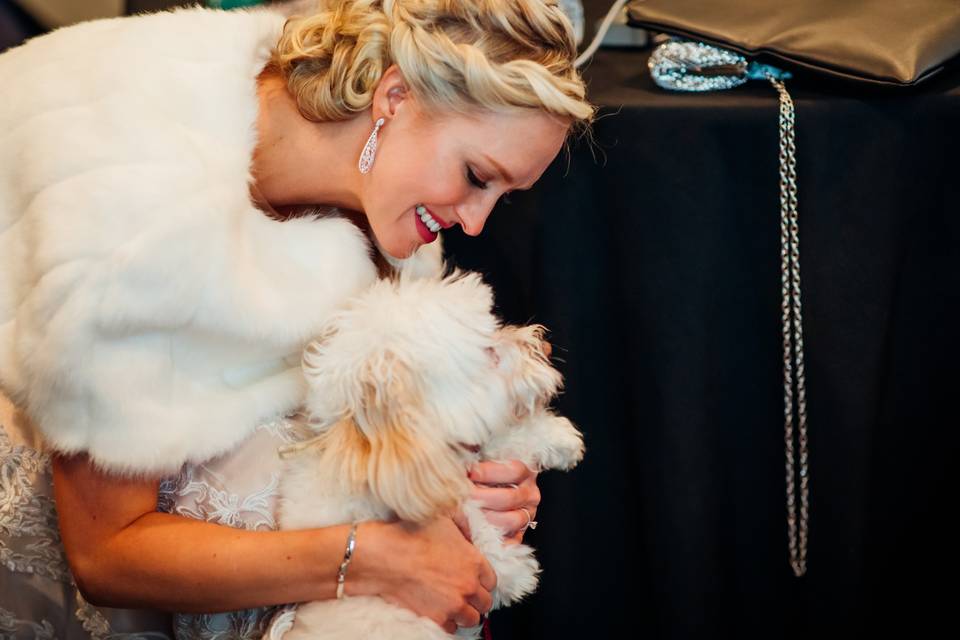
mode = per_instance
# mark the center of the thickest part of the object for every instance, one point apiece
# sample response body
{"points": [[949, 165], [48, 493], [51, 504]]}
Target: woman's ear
{"points": [[390, 95]]}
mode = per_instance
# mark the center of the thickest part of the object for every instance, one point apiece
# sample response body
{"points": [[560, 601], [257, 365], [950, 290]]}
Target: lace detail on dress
{"points": [[290, 430], [98, 626], [240, 490], [249, 624], [196, 494], [31, 550], [13, 628], [93, 623], [28, 515], [208, 491]]}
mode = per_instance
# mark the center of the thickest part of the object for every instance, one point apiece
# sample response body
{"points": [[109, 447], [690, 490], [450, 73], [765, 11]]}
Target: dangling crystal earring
{"points": [[370, 149]]}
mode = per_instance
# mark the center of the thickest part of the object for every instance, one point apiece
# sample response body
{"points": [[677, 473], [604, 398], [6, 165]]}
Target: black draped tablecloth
{"points": [[654, 258]]}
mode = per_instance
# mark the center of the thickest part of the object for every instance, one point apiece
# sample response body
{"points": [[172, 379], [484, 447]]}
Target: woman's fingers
{"points": [[507, 498], [467, 617], [481, 602], [462, 523], [494, 472], [511, 522], [511, 504], [488, 580]]}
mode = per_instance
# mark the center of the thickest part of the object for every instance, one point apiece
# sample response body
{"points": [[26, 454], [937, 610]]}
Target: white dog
{"points": [[411, 384]]}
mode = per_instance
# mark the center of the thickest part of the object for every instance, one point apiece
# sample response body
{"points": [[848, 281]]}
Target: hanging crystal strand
{"points": [[681, 65], [792, 325]]}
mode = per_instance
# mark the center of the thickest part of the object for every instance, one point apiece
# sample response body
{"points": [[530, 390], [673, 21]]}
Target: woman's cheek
{"points": [[448, 191]]}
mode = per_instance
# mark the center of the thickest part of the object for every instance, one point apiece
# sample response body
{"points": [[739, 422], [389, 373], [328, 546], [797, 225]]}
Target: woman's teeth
{"points": [[427, 219]]}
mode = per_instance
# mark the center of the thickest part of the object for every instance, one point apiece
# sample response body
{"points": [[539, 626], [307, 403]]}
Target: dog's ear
{"points": [[412, 469], [533, 379], [326, 394], [362, 383]]}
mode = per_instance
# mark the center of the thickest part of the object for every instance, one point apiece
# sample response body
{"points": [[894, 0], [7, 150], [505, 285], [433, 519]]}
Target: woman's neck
{"points": [[299, 163], [301, 166]]}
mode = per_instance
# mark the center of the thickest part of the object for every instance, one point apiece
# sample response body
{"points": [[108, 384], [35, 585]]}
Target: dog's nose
{"points": [[547, 348]]}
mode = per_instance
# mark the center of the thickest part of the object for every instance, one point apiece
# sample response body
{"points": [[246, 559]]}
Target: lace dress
{"points": [[239, 489], [39, 599]]}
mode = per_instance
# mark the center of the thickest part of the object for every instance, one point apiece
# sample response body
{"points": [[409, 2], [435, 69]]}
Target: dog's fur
{"points": [[410, 384]]}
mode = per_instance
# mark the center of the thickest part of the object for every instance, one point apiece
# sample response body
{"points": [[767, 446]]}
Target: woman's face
{"points": [[453, 169]]}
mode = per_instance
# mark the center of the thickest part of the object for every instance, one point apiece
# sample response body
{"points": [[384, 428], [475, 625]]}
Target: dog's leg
{"points": [[543, 440], [516, 567]]}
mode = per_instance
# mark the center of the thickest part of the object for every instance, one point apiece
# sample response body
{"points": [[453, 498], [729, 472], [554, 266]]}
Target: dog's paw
{"points": [[560, 444], [517, 574]]}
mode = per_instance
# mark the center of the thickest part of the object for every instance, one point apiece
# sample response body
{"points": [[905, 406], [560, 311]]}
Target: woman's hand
{"points": [[431, 569], [508, 494]]}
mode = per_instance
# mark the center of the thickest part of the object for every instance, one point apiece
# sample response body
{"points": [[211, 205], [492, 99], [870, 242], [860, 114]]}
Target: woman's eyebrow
{"points": [[503, 172]]}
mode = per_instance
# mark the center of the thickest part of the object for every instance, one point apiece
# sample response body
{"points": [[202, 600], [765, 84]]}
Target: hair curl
{"points": [[453, 54]]}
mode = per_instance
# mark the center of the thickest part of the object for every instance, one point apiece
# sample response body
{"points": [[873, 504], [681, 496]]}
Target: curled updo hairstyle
{"points": [[454, 55]]}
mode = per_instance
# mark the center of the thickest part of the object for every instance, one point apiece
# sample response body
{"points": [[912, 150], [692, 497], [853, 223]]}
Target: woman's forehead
{"points": [[519, 142]]}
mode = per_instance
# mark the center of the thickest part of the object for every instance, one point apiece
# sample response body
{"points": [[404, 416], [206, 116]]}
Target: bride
{"points": [[184, 197]]}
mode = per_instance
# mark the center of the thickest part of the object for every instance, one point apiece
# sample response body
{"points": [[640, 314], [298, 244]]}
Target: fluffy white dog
{"points": [[411, 384]]}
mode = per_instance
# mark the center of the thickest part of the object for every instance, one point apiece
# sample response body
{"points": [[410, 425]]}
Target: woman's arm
{"points": [[125, 554]]}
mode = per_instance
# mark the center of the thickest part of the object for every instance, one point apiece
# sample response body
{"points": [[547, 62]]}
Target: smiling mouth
{"points": [[429, 221], [426, 233]]}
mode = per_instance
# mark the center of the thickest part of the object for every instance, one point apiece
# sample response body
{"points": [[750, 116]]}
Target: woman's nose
{"points": [[474, 216]]}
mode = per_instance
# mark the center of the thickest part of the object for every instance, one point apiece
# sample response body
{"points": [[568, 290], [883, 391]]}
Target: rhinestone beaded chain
{"points": [[681, 65]]}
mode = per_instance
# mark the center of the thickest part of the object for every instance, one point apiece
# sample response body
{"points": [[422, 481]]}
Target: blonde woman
{"points": [[184, 197]]}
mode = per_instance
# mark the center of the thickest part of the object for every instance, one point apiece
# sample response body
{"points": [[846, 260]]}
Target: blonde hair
{"points": [[453, 54]]}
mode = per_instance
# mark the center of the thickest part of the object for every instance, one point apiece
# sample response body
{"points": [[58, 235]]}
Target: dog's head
{"points": [[521, 362], [412, 373]]}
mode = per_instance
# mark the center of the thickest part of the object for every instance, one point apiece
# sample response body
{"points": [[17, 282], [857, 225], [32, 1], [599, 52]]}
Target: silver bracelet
{"points": [[347, 557]]}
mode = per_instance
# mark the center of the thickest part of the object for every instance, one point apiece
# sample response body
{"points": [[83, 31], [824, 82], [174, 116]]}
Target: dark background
{"points": [[653, 256]]}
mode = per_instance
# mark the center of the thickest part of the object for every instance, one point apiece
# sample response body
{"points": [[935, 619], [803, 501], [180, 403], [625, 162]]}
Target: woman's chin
{"points": [[399, 251], [397, 241]]}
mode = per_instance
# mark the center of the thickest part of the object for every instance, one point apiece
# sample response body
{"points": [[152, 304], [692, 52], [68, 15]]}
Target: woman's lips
{"points": [[443, 223], [427, 235]]}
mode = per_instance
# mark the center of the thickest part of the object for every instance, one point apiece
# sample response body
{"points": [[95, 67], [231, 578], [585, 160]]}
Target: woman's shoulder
{"points": [[148, 312], [152, 102], [192, 66]]}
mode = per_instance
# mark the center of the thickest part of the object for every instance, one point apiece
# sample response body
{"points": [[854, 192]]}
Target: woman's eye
{"points": [[474, 180]]}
